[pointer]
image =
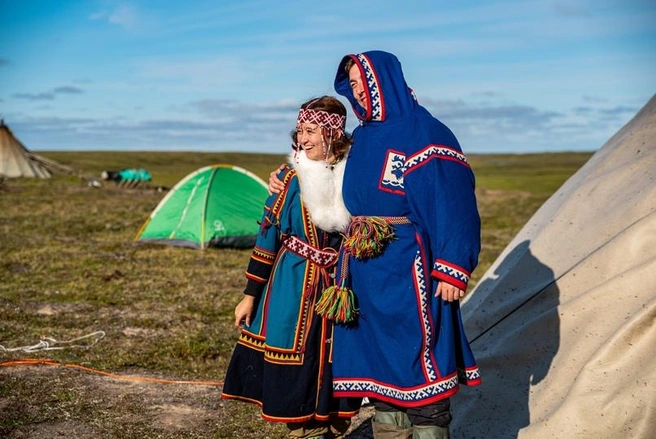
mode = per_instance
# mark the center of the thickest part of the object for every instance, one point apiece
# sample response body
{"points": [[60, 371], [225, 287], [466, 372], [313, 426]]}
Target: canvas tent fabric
{"points": [[215, 206], [563, 324], [16, 160]]}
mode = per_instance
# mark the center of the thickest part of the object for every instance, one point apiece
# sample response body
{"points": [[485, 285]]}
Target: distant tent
{"points": [[563, 324], [215, 206], [16, 160]]}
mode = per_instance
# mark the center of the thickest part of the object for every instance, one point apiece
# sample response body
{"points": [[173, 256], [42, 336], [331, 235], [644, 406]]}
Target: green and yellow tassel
{"points": [[337, 303]]}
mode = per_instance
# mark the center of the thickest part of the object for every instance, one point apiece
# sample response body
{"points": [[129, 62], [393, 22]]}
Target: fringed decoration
{"points": [[368, 236], [337, 303]]}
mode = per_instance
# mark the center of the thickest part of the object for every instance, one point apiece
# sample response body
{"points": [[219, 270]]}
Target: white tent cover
{"points": [[563, 324], [16, 160]]}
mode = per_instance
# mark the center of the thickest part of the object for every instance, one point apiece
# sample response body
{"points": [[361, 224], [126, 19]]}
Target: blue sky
{"points": [[505, 76]]}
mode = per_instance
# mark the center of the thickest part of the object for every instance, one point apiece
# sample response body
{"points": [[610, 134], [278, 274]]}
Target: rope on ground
{"points": [[49, 362], [50, 344]]}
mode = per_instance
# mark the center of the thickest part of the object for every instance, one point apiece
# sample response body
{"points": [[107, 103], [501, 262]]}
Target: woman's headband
{"points": [[322, 118]]}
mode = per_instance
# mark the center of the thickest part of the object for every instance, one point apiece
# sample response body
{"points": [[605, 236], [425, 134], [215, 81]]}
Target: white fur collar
{"points": [[321, 192]]}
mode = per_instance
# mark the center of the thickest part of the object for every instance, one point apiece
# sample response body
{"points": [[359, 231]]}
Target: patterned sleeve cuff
{"points": [[451, 274]]}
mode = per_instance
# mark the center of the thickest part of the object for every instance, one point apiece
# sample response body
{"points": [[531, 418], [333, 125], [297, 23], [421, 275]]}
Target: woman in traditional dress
{"points": [[282, 360]]}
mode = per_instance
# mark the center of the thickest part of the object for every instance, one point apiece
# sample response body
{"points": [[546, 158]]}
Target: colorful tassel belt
{"points": [[323, 258], [367, 237]]}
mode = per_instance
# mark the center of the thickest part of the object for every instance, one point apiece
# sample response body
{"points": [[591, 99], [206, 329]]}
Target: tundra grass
{"points": [[69, 267]]}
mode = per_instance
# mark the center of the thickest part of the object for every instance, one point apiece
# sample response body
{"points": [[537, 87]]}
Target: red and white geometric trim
{"points": [[376, 100], [321, 257], [420, 282], [362, 387], [451, 273], [470, 377], [434, 152], [322, 118]]}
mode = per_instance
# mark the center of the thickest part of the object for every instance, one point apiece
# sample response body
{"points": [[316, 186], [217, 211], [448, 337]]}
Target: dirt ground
{"points": [[173, 410]]}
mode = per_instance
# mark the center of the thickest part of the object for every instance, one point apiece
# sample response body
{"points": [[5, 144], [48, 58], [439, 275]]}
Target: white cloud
{"points": [[123, 15]]}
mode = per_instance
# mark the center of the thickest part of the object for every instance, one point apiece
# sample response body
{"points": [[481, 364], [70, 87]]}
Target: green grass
{"points": [[167, 168], [69, 267]]}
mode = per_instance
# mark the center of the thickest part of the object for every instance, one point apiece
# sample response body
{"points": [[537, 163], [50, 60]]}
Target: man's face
{"points": [[357, 86]]}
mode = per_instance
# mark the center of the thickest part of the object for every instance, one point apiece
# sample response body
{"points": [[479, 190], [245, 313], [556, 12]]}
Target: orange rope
{"points": [[48, 362]]}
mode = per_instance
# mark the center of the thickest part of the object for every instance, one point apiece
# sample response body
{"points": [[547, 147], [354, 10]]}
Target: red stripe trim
{"points": [[418, 403], [430, 315], [255, 278], [380, 92], [449, 279], [452, 265], [436, 155], [400, 389]]}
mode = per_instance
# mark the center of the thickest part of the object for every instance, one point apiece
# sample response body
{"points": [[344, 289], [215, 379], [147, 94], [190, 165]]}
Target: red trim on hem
{"points": [[471, 383], [240, 398], [400, 389], [397, 402], [339, 414]]}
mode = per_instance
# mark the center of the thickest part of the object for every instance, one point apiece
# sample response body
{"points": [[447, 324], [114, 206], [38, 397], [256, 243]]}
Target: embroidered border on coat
{"points": [[434, 152], [470, 376], [377, 105], [251, 340], [420, 278], [453, 271], [391, 179], [305, 314], [408, 395], [263, 255], [283, 357]]}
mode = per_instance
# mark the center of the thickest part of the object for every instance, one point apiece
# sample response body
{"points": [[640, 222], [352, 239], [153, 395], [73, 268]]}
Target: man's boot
{"points": [[430, 432], [391, 425]]}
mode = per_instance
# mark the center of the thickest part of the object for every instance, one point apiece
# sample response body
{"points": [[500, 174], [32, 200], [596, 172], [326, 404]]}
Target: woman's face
{"points": [[308, 136]]}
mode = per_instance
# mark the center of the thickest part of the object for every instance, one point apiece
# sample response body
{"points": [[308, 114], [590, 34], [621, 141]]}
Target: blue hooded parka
{"points": [[407, 347]]}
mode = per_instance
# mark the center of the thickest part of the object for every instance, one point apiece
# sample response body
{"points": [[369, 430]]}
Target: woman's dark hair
{"points": [[330, 104]]}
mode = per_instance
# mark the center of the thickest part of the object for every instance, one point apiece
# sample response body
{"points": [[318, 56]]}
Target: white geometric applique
{"points": [[427, 391], [420, 276], [456, 273], [435, 152], [392, 178], [374, 88], [469, 375]]}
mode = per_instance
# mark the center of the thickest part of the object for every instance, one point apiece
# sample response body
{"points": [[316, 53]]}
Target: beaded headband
{"points": [[322, 118]]}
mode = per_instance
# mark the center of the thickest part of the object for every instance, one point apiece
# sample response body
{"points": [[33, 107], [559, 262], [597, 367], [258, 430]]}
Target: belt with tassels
{"points": [[322, 258], [366, 237]]}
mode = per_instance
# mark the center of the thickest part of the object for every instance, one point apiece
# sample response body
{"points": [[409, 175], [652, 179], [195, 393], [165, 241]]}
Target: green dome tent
{"points": [[218, 205]]}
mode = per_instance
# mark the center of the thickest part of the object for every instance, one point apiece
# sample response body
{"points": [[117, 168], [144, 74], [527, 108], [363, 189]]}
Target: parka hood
{"points": [[388, 95]]}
